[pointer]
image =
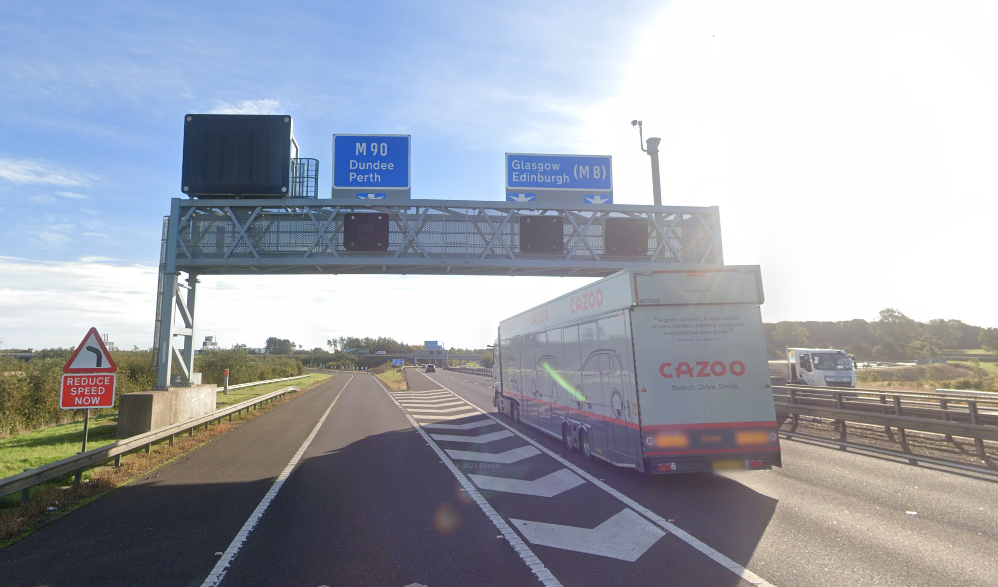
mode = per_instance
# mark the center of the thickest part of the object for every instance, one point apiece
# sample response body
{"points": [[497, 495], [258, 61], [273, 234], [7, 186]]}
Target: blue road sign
{"points": [[380, 196], [520, 197], [597, 199], [371, 161], [558, 172], [398, 362]]}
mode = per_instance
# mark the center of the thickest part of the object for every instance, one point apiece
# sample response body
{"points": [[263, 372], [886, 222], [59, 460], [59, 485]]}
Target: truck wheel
{"points": [[587, 446], [566, 437]]}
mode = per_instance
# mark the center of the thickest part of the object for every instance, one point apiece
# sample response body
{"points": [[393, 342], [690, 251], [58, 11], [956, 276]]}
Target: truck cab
{"points": [[820, 368]]}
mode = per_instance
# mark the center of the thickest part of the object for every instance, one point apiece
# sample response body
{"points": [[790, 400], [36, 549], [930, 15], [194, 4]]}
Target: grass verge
{"points": [[393, 379], [47, 445], [54, 499]]}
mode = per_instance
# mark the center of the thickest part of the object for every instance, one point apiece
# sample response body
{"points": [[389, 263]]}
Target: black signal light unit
{"points": [[626, 237], [542, 234], [365, 231]]}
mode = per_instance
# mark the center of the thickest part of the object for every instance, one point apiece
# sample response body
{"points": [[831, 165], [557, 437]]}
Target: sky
{"points": [[850, 147]]}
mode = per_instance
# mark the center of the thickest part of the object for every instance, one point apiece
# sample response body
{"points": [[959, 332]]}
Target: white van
{"points": [[820, 368]]}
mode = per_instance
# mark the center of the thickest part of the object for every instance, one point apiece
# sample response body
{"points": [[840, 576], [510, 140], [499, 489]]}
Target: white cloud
{"points": [[73, 195], [49, 304], [264, 106], [34, 172]]}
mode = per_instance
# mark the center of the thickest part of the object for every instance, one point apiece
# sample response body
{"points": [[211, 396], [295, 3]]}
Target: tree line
{"points": [[29, 390], [892, 337]]}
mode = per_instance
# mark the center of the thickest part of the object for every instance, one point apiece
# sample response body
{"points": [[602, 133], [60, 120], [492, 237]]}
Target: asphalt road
{"points": [[349, 484]]}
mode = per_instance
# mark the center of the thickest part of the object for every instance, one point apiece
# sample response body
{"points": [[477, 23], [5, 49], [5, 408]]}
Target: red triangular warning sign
{"points": [[91, 356]]}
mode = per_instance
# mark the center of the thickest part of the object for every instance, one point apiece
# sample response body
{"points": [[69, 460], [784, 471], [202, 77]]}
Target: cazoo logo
{"points": [[586, 301], [701, 369], [539, 317]]}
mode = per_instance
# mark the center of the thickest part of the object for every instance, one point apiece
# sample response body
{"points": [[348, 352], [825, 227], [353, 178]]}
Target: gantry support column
{"points": [[170, 303]]}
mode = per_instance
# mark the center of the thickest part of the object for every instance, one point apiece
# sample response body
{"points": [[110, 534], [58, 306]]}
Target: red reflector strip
{"points": [[756, 464]]}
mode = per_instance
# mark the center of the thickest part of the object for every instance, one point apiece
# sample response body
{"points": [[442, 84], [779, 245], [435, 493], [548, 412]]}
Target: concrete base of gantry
{"points": [[150, 410]]}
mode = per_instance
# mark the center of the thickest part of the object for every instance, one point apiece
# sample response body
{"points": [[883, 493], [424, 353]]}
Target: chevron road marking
{"points": [[482, 439], [415, 411], [419, 417], [535, 565], [431, 404], [625, 536], [468, 426], [505, 458], [547, 486], [440, 395]]}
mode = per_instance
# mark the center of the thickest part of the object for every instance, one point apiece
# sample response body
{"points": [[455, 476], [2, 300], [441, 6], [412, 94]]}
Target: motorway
{"points": [[349, 484]]}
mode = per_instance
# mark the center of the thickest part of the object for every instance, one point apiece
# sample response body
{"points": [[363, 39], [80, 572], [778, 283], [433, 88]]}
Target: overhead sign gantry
{"points": [[270, 233]]}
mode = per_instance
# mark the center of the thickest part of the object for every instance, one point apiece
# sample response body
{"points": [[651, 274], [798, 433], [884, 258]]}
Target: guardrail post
{"points": [[944, 406], [901, 431], [171, 439], [841, 423], [887, 428], [117, 461], [26, 492], [978, 442], [148, 448], [793, 401]]}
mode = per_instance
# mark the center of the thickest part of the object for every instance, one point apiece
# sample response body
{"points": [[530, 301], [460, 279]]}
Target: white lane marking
{"points": [[683, 535], [446, 416], [480, 439], [526, 555], [429, 410], [505, 458], [431, 404], [428, 393], [442, 398], [222, 566], [547, 486], [468, 426], [625, 536], [421, 393]]}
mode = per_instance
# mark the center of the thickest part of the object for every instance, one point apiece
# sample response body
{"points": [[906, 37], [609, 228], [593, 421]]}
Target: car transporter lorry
{"points": [[660, 371]]}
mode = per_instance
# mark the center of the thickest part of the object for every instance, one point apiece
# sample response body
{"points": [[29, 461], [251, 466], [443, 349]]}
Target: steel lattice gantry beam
{"points": [[428, 237]]}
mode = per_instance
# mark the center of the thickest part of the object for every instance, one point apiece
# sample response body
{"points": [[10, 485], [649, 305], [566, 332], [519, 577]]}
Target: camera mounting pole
{"points": [[652, 150]]}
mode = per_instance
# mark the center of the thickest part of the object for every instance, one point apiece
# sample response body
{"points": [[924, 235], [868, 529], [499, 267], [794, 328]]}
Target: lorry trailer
{"points": [[660, 371]]}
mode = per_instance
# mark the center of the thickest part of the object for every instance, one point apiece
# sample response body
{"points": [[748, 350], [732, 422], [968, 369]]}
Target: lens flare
{"points": [[446, 519]]}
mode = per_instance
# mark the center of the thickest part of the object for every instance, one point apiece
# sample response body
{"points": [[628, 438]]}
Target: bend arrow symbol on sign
{"points": [[625, 536]]}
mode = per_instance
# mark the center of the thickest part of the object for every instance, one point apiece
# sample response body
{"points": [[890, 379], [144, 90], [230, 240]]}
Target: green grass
{"points": [[47, 445], [990, 368], [40, 447], [240, 395], [393, 379]]}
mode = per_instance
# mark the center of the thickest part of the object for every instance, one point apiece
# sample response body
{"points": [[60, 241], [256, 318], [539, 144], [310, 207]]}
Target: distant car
{"points": [[431, 369]]}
